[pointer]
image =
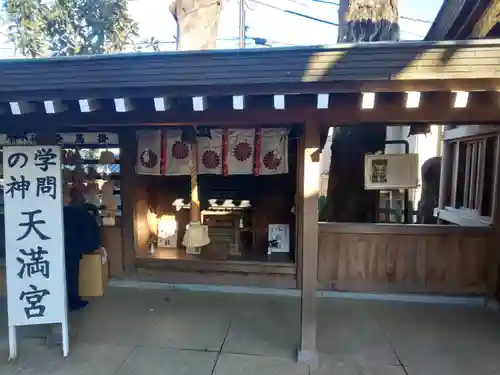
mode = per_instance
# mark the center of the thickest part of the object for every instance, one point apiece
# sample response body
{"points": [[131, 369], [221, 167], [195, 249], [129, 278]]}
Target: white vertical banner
{"points": [[177, 154], [34, 239], [240, 151], [209, 153], [149, 152], [273, 151]]}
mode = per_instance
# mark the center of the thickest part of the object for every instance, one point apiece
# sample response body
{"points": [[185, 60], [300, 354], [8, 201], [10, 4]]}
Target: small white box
{"points": [[278, 238]]}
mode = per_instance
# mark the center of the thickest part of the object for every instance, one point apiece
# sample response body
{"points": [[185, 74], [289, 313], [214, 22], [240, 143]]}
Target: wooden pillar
{"points": [[128, 149], [299, 213], [309, 261], [446, 172], [494, 248]]}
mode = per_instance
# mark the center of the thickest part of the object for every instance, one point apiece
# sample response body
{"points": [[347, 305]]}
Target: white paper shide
{"points": [[34, 235]]}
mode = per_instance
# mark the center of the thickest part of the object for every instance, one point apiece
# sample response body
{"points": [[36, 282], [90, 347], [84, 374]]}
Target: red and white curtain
{"points": [[240, 151], [177, 153], [210, 153], [149, 152], [260, 151], [272, 151]]}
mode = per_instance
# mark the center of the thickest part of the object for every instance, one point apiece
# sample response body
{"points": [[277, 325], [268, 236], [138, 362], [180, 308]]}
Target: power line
{"points": [[336, 3], [315, 18], [295, 13]]}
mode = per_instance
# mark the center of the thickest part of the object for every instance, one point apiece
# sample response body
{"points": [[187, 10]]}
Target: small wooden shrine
{"points": [[149, 100]]}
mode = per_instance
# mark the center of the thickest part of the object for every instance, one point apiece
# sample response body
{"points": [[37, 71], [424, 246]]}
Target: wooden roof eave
{"points": [[421, 66]]}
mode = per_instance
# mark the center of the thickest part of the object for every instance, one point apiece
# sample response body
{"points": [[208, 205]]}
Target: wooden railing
{"points": [[395, 258]]}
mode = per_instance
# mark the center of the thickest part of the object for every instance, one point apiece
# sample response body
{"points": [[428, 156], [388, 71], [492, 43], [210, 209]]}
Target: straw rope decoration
{"points": [[195, 203]]}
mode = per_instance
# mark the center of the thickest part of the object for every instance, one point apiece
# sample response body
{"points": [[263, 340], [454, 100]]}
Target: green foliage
{"points": [[71, 27]]}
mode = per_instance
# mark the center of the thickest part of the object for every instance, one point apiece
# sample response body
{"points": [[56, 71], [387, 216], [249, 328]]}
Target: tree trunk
{"points": [[431, 173], [198, 22], [348, 201]]}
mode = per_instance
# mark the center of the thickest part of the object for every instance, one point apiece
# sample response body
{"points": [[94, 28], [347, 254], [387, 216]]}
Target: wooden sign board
{"points": [[34, 239]]}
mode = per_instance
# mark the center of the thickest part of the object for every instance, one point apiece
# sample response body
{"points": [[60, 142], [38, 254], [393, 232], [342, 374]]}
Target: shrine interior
{"points": [[250, 215]]}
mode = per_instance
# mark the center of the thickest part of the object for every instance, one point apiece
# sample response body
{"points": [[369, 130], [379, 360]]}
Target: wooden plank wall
{"points": [[404, 259]]}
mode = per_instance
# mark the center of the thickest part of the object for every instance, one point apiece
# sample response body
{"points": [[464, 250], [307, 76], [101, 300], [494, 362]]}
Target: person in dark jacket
{"points": [[81, 235]]}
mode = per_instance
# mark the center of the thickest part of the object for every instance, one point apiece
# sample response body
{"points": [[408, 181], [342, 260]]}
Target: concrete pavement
{"points": [[150, 332]]}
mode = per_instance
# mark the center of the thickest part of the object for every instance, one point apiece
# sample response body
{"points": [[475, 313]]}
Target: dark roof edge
{"points": [[455, 17]]}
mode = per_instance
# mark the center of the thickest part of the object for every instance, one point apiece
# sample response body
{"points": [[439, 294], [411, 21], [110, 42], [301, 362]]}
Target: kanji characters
{"points": [[31, 225], [102, 138], [20, 185], [14, 159], [79, 139], [46, 185], [45, 157], [34, 264], [34, 298]]}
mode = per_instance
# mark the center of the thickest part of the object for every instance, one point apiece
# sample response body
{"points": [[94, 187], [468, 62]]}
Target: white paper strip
{"points": [[105, 139]]}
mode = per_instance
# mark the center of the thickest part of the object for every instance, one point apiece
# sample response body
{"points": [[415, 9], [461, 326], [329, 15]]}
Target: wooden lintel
{"points": [[470, 131], [436, 108]]}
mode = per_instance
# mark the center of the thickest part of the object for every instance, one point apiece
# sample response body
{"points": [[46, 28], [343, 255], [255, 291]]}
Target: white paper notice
{"points": [[34, 235]]}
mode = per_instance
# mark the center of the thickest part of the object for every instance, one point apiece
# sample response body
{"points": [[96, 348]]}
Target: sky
{"points": [[264, 21], [279, 27]]}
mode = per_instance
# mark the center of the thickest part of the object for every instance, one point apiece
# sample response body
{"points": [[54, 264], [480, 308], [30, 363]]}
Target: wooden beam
{"points": [[88, 105], [238, 102], [162, 103], [461, 99], [487, 20], [323, 101], [368, 100], [412, 99], [200, 103], [447, 16], [54, 106], [21, 108], [123, 104], [436, 108], [311, 177], [279, 102]]}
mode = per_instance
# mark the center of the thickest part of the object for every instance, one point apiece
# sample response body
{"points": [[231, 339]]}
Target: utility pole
{"points": [[242, 35]]}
